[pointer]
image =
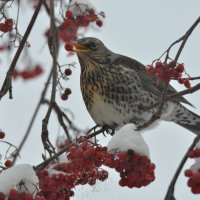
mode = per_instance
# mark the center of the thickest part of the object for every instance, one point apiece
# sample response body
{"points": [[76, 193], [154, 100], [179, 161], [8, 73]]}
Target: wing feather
{"points": [[149, 83]]}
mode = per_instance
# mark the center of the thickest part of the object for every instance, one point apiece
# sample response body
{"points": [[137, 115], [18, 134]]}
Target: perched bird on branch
{"points": [[118, 90]]}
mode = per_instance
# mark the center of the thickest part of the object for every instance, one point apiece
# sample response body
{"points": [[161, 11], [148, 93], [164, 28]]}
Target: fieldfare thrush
{"points": [[117, 89]]}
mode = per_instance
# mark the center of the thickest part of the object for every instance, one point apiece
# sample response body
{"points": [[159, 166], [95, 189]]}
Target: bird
{"points": [[117, 90]]}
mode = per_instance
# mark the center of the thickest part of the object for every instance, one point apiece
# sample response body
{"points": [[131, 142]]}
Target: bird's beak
{"points": [[79, 48]]}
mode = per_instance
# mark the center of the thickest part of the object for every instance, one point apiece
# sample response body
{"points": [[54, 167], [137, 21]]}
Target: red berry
{"points": [[188, 173], [13, 193], [99, 23], [158, 65], [68, 72], [68, 47], [181, 81], [9, 22], [187, 83], [176, 75], [2, 134], [2, 196], [8, 163], [68, 22], [191, 154], [166, 67], [67, 91], [151, 70], [180, 68], [69, 14], [172, 64], [64, 96]]}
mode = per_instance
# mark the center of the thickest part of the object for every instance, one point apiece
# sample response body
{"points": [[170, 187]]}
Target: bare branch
{"points": [[7, 85], [54, 51], [170, 191]]}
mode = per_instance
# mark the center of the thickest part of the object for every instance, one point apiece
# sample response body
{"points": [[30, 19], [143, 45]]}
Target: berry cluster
{"points": [[66, 94], [2, 134], [68, 29], [7, 26], [15, 195], [193, 181], [135, 170], [85, 158], [83, 164], [167, 71], [56, 186], [29, 74], [194, 172]]}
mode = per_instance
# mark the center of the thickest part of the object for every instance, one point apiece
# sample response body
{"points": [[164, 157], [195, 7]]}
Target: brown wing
{"points": [[149, 83]]}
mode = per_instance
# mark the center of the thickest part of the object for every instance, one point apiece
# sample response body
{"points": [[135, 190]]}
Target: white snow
{"points": [[196, 166], [12, 177], [128, 138]]}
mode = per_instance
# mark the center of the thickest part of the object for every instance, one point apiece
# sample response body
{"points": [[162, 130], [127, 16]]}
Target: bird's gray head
{"points": [[92, 49]]}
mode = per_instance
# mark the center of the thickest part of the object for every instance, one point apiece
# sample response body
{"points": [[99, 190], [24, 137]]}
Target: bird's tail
{"points": [[188, 120]]}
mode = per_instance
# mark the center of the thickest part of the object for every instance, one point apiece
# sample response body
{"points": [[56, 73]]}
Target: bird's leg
{"points": [[92, 129], [109, 129]]}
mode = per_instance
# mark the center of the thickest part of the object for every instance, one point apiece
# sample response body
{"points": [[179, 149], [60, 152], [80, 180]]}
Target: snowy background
{"points": [[139, 29]]}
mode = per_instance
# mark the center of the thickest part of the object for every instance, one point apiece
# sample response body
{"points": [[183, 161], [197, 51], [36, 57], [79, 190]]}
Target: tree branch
{"points": [[54, 51], [170, 191], [7, 84]]}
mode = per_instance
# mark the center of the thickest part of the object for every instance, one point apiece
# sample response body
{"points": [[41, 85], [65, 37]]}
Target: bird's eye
{"points": [[93, 46]]}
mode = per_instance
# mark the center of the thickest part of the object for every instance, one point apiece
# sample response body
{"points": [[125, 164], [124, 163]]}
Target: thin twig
{"points": [[170, 191], [7, 84], [54, 51], [46, 162], [60, 119], [187, 35]]}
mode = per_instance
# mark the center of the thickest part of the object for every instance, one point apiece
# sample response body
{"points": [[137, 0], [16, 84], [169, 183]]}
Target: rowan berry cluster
{"points": [[15, 195], [194, 172], [135, 170], [68, 29], [7, 26], [29, 73], [167, 71], [84, 160]]}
